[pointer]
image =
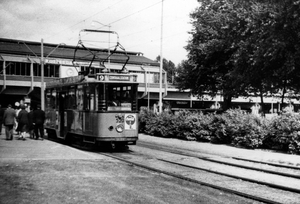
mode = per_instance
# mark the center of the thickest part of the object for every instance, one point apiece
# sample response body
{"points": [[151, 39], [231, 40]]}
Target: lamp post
{"points": [[42, 76], [108, 40], [161, 59]]}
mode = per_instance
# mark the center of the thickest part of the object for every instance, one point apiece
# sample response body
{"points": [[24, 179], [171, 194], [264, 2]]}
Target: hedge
{"points": [[234, 127]]}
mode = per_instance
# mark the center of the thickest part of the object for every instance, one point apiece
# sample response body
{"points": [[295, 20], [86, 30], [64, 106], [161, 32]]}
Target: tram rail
{"points": [[139, 156], [277, 169], [131, 157]]}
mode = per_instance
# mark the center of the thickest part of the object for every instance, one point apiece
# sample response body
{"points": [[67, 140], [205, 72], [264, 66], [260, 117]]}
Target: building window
{"points": [[93, 70], [50, 70], [16, 68], [36, 69]]}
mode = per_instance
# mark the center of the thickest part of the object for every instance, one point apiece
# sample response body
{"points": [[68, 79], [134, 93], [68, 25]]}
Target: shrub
{"points": [[246, 130], [284, 133], [145, 117], [218, 129], [197, 125], [163, 125], [192, 126], [234, 127]]}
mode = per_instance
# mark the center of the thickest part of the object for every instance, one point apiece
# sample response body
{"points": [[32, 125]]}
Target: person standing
{"points": [[22, 119], [9, 121], [17, 127], [38, 122], [30, 123], [1, 118]]}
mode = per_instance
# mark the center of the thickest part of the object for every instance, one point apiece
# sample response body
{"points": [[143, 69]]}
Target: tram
{"points": [[95, 108]]}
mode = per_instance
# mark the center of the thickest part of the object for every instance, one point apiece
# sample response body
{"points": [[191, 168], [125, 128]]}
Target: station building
{"points": [[21, 75]]}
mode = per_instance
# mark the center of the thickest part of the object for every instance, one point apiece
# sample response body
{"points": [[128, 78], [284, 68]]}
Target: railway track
{"points": [[261, 182]]}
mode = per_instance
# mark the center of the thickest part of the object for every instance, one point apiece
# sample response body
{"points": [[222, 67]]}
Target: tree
{"points": [[215, 37], [242, 47], [269, 57], [169, 67]]}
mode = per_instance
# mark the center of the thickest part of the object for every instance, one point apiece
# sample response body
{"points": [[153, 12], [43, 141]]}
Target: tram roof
{"points": [[30, 48], [94, 78]]}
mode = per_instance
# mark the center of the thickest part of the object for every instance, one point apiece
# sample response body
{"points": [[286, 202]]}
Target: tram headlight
{"points": [[120, 128]]}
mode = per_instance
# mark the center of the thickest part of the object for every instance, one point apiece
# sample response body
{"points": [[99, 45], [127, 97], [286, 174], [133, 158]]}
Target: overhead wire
{"points": [[135, 12], [55, 34], [120, 19], [125, 17], [145, 8]]}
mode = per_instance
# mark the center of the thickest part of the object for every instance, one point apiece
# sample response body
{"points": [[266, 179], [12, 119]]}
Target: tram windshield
{"points": [[93, 97], [121, 97]]}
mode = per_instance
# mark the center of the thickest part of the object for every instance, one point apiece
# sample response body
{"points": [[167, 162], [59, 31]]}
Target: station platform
{"points": [[31, 149]]}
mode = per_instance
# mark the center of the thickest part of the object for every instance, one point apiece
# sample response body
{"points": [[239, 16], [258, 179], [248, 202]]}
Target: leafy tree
{"points": [[216, 32], [169, 67], [267, 60], [242, 47]]}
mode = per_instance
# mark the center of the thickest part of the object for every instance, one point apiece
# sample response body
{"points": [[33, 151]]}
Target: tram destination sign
{"points": [[118, 78]]}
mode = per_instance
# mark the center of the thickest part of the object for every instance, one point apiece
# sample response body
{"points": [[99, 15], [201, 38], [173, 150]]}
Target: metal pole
{"points": [[42, 77], [148, 92], [161, 59], [109, 47]]}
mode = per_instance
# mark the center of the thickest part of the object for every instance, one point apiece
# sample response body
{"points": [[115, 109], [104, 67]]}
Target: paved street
{"points": [[36, 171], [43, 171]]}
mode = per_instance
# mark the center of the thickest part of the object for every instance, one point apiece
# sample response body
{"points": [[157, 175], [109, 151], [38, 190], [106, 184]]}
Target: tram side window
{"points": [[89, 97], [101, 97], [50, 98], [70, 98], [79, 96]]}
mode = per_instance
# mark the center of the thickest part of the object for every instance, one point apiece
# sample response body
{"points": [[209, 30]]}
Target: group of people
{"points": [[31, 122]]}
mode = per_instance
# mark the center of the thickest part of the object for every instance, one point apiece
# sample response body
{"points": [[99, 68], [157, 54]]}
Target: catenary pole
{"points": [[161, 59], [42, 76]]}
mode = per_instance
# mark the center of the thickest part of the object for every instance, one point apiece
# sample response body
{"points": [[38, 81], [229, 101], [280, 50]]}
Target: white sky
{"points": [[138, 23]]}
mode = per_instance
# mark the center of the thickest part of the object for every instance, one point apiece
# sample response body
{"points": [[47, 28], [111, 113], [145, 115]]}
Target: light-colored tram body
{"points": [[93, 109]]}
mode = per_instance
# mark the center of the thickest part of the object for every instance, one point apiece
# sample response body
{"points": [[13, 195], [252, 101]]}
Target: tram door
{"points": [[61, 113]]}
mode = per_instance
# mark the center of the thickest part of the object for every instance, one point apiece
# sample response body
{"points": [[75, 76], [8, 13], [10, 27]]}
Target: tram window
{"points": [[50, 98], [120, 97], [89, 97], [54, 100], [70, 98], [79, 96], [101, 97]]}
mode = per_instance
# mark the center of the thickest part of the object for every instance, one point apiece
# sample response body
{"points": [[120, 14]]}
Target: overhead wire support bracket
{"points": [[99, 31], [95, 54]]}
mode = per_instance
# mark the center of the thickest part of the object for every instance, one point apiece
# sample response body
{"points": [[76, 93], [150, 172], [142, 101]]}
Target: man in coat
{"points": [[30, 123], [9, 121], [22, 119], [38, 122]]}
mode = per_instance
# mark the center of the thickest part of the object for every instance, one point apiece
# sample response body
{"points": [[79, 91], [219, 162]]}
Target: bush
{"points": [[192, 126], [218, 129], [247, 130], [235, 127], [197, 125], [284, 133], [145, 117], [163, 125]]}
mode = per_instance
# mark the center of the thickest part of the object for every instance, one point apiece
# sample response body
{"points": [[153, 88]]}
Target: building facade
{"points": [[21, 76]]}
